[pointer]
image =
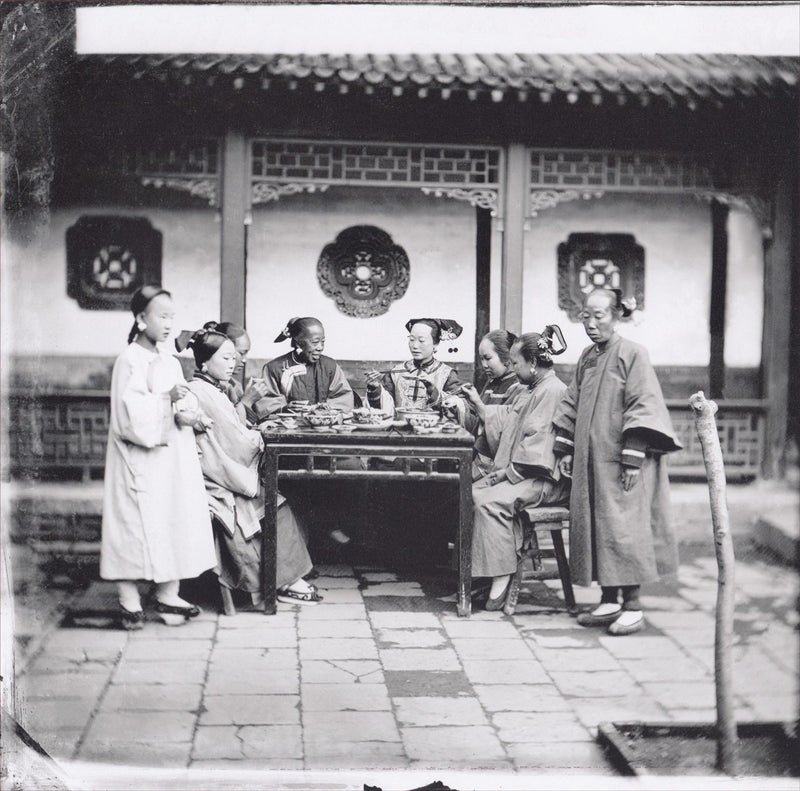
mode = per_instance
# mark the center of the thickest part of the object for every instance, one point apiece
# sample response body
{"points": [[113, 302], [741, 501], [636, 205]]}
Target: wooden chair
{"points": [[533, 520]]}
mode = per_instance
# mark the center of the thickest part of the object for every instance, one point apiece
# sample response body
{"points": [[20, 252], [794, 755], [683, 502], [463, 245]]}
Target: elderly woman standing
{"points": [[524, 471], [614, 421]]}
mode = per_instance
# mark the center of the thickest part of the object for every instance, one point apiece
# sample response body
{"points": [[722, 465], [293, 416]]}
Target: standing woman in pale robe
{"points": [[156, 525], [614, 421]]}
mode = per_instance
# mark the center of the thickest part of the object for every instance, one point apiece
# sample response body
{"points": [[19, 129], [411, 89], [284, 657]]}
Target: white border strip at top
{"points": [[272, 28]]}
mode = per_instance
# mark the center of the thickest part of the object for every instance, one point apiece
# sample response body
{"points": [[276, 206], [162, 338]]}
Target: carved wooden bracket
{"points": [[548, 199], [267, 191], [482, 198], [206, 188]]}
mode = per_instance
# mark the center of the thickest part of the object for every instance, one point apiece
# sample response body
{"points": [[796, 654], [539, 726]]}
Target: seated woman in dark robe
{"points": [[501, 382], [230, 454], [423, 381], [520, 435], [304, 373]]}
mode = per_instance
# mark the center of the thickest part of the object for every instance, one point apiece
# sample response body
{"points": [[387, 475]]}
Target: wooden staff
{"points": [[706, 427]]}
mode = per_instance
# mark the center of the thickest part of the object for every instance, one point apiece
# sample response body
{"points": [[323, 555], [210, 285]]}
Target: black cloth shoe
{"points": [[131, 621], [192, 611]]}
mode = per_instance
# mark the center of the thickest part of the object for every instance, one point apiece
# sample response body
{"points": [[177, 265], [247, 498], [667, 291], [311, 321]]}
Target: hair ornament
{"points": [[286, 332], [551, 342], [627, 305], [183, 340]]}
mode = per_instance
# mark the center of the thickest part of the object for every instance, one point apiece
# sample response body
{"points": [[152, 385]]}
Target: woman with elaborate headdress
{"points": [[423, 381], [520, 436]]}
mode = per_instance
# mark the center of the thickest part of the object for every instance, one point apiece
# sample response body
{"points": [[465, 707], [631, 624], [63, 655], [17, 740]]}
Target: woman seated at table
{"points": [[524, 470], [501, 382], [423, 381], [242, 398], [229, 457], [304, 373]]}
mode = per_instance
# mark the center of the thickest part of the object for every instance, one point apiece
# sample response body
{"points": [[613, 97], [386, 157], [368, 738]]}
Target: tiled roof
{"points": [[688, 79]]}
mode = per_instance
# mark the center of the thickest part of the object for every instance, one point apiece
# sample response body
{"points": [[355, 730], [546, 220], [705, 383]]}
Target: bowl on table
{"points": [[368, 417], [321, 419], [418, 418]]}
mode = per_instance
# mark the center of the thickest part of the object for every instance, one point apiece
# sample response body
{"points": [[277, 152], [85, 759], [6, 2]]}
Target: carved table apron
{"points": [[403, 445]]}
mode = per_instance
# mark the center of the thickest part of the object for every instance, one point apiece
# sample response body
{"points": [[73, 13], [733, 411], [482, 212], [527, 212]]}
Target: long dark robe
{"points": [[520, 435], [404, 388], [618, 537]]}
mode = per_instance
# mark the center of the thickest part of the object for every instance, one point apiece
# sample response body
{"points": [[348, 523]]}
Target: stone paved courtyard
{"points": [[383, 676]]}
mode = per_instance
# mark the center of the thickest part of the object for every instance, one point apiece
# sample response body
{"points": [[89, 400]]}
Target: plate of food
{"points": [[370, 419]]}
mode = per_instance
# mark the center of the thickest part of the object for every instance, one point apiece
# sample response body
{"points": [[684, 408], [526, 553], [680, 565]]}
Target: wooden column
{"points": [[234, 204], [719, 287], [514, 202], [483, 264], [778, 266]]}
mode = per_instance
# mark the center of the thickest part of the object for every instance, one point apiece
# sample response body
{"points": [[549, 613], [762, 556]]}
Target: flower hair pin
{"points": [[628, 305], [547, 346]]}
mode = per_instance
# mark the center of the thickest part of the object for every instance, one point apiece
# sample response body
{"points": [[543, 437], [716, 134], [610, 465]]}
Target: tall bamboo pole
{"points": [[706, 427]]}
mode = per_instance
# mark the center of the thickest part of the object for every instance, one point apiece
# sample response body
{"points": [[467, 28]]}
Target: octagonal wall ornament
{"points": [[363, 271], [588, 261], [109, 257]]}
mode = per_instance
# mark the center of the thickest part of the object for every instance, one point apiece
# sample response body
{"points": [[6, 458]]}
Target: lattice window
{"points": [[375, 164], [60, 433], [615, 170], [740, 438], [191, 166], [174, 158]]}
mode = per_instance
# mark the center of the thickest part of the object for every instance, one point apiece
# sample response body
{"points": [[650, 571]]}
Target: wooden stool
{"points": [[532, 520]]}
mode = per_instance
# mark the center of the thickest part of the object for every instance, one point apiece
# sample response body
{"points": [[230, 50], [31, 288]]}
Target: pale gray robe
{"points": [[230, 454], [156, 524], [520, 435]]}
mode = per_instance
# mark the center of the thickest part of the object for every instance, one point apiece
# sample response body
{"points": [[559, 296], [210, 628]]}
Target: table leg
{"points": [[465, 517], [270, 531]]}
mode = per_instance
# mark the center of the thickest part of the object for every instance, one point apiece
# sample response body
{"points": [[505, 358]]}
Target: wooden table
{"points": [[401, 444]]}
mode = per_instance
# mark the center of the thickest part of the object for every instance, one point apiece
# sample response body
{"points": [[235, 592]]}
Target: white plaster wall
{"points": [[39, 318], [744, 308], [676, 235], [286, 238]]}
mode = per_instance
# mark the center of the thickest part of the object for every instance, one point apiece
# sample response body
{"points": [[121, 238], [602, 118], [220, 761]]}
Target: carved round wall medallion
{"points": [[363, 271]]}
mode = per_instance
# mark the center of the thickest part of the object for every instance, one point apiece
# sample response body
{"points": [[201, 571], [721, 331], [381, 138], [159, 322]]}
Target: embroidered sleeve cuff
{"points": [[563, 446], [513, 475], [632, 458]]}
